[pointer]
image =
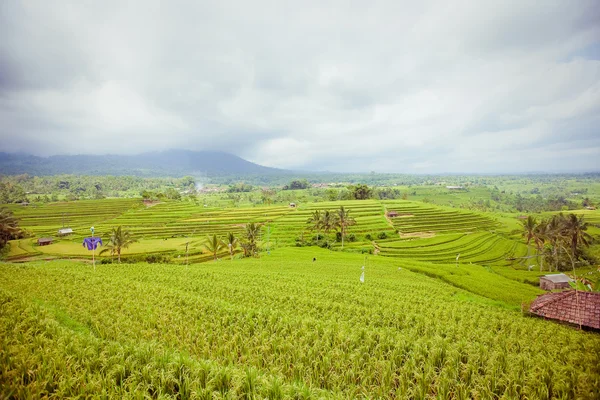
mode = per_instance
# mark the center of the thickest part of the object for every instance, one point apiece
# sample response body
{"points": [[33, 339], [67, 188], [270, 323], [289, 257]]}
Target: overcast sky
{"points": [[386, 86]]}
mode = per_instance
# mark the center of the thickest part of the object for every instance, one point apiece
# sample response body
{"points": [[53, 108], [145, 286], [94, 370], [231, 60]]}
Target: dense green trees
{"points": [[9, 227], [360, 191], [331, 220], [297, 184], [559, 240]]}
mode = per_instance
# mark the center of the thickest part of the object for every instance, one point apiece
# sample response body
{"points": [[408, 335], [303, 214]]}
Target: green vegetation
{"points": [[281, 326], [9, 228], [119, 239], [262, 312], [559, 240]]}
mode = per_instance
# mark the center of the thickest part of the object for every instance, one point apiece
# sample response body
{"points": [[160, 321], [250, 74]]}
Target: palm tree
{"points": [[249, 245], [119, 239], [328, 221], [553, 233], [213, 244], [314, 222], [343, 220], [540, 235], [232, 243], [528, 232], [9, 227], [574, 229]]}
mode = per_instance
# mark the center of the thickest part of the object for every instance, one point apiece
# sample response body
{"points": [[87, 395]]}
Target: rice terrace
{"points": [[300, 200], [245, 294]]}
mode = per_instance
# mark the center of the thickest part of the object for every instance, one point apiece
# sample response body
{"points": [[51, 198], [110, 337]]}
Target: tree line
{"points": [[559, 240], [327, 221]]}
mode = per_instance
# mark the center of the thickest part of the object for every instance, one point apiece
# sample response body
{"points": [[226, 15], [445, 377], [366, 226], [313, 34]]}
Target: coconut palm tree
{"points": [[528, 232], [232, 243], [540, 236], [213, 244], [314, 222], [328, 221], [554, 236], [343, 220], [574, 229], [250, 245], [119, 239]]}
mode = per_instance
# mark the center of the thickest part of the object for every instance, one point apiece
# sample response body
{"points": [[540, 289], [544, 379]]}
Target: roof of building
{"points": [[576, 307], [44, 240], [558, 278], [65, 230]]}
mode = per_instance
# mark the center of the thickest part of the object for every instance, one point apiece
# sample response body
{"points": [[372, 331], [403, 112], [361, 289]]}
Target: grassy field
{"points": [[283, 326], [422, 325]]}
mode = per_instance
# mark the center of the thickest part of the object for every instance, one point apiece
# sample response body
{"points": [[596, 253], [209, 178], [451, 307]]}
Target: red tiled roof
{"points": [[581, 308]]}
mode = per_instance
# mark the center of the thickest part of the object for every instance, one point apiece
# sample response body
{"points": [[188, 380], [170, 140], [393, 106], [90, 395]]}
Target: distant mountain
{"points": [[175, 163]]}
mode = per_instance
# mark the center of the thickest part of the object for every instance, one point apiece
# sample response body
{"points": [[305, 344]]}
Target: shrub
{"points": [[368, 236], [382, 235]]}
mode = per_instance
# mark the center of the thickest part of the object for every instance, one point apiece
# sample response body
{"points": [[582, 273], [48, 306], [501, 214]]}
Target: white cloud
{"points": [[388, 86]]}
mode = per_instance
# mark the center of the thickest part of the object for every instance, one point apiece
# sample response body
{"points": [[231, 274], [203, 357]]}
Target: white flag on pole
{"points": [[362, 277]]}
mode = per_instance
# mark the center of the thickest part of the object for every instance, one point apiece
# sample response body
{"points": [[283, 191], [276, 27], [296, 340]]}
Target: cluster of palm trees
{"points": [[327, 221], [248, 243], [558, 239]]}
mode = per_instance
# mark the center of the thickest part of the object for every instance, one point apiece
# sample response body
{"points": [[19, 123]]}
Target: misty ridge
{"points": [[173, 163]]}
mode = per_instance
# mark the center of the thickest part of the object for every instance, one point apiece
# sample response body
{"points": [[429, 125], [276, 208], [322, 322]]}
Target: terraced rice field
{"points": [[166, 228], [282, 326], [480, 248], [420, 218]]}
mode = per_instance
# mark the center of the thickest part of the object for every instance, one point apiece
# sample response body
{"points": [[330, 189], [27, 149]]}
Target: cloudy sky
{"points": [[388, 86]]}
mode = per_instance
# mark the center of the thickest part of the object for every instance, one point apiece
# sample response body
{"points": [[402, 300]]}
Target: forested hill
{"points": [[174, 163]]}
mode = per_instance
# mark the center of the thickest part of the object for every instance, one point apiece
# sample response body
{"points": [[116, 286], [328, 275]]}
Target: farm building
{"points": [[44, 241], [455, 187], [392, 214], [554, 281], [24, 203], [293, 205], [65, 231], [576, 307]]}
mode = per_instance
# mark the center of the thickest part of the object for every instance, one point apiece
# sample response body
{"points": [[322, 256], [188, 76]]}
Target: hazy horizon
{"points": [[428, 88]]}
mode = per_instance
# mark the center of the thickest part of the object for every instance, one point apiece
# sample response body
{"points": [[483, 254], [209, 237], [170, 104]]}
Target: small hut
{"points": [[392, 214], [65, 231], [292, 205], [44, 241], [575, 307], [555, 281]]}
